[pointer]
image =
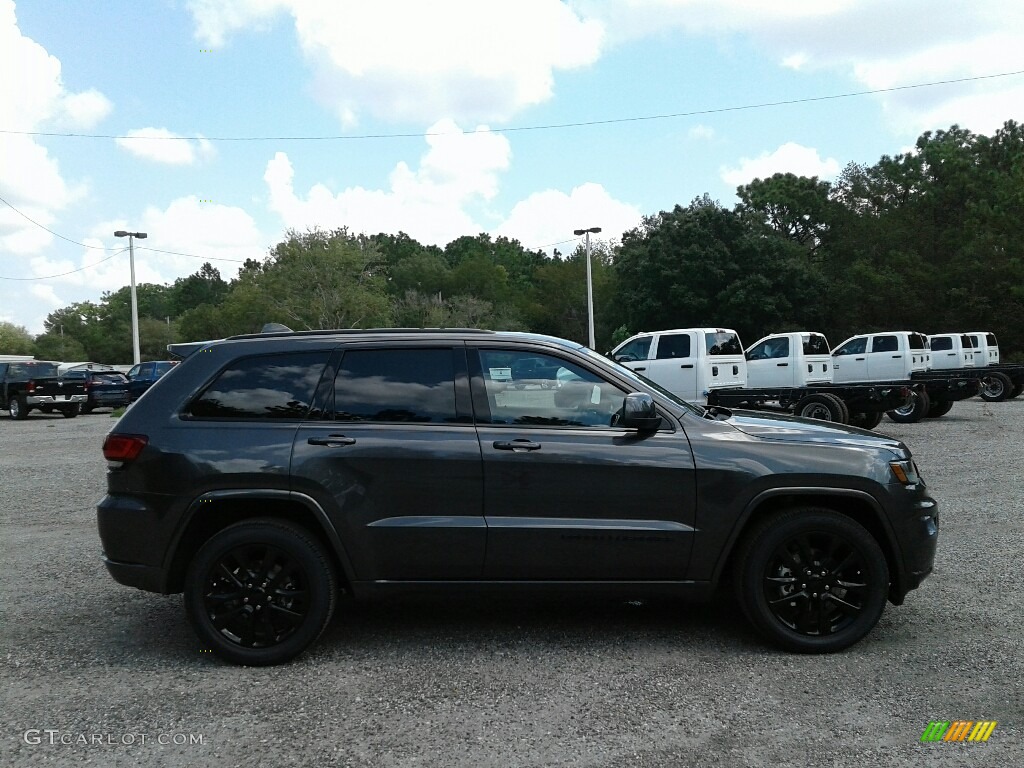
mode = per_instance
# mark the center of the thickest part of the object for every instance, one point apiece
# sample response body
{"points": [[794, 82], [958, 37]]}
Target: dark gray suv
{"points": [[268, 474]]}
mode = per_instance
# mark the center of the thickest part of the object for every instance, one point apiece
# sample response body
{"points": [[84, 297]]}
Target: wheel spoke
{"points": [[847, 608], [781, 579], [220, 620], [222, 566], [293, 618]]}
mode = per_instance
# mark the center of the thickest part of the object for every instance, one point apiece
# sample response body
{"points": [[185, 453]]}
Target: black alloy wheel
{"points": [[260, 592], [812, 580]]}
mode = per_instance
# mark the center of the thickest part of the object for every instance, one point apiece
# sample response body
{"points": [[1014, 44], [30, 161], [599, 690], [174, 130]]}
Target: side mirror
{"points": [[639, 412], [627, 358]]}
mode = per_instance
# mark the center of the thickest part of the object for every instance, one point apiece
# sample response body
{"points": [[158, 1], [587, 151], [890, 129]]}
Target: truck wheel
{"points": [[842, 407], [940, 409], [995, 387], [821, 407], [86, 408], [260, 592], [17, 408], [1015, 392], [70, 413], [915, 409], [811, 580], [866, 420]]}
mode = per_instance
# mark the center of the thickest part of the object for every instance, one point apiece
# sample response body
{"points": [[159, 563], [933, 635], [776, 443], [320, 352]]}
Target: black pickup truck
{"points": [[37, 384]]}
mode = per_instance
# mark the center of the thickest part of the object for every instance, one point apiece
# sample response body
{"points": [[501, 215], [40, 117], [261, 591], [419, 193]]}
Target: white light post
{"points": [[590, 284], [135, 302]]}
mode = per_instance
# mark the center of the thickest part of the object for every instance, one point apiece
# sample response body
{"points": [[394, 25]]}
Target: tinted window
{"points": [[76, 375], [941, 343], [407, 385], [723, 344], [264, 387], [815, 344], [637, 349], [885, 344], [966, 341], [32, 370], [853, 347], [671, 345], [109, 378], [562, 394], [769, 349], [991, 339], [917, 341], [161, 368]]}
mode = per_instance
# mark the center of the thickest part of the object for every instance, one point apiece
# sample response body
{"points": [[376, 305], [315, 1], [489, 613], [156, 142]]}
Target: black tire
{"points": [[842, 406], [996, 387], [823, 407], [811, 580], [868, 420], [70, 413], [1016, 391], [87, 408], [940, 409], [17, 408], [915, 409], [227, 584]]}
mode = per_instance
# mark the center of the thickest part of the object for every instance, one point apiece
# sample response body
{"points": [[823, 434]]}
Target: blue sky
{"points": [[439, 85]]}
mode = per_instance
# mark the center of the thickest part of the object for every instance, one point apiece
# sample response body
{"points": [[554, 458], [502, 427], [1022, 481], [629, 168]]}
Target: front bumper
{"points": [[917, 534]]}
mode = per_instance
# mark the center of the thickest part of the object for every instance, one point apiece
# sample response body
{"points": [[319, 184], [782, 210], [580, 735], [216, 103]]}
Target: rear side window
{"points": [[672, 345], [722, 343], [405, 385], [263, 387], [886, 344], [941, 343], [32, 370], [816, 344]]}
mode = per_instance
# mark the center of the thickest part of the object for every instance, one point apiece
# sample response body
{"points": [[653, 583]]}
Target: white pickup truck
{"points": [[951, 351], [903, 356], [689, 362], [999, 381]]}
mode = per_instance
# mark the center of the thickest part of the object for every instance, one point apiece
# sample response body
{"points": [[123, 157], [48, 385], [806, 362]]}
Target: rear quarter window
{"points": [[816, 344], [723, 344], [264, 387]]}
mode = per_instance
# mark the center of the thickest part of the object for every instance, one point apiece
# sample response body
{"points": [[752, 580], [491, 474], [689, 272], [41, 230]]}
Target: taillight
{"points": [[31, 386], [123, 447]]}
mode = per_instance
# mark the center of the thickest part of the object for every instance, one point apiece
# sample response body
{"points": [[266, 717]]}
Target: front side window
{"points": [[723, 343], [769, 349], [560, 394], [404, 385], [637, 349], [853, 347], [263, 387]]}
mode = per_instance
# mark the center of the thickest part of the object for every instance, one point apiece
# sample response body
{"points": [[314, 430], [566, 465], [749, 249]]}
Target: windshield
{"points": [[647, 383]]}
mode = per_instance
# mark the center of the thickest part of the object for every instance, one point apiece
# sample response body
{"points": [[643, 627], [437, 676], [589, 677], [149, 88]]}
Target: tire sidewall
{"points": [[302, 549], [760, 552]]}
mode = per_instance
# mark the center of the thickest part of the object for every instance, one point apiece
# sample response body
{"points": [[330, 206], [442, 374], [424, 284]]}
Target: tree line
{"points": [[930, 240]]}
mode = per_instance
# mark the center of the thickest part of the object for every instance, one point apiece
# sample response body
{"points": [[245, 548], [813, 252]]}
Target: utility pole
{"points": [[590, 284], [135, 302]]}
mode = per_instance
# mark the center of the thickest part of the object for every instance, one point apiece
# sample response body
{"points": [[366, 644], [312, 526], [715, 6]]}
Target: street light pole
{"points": [[590, 284], [135, 302]]}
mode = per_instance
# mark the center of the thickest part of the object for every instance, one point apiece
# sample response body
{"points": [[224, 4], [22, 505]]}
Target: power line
{"points": [[73, 271], [55, 234], [190, 255], [547, 127]]}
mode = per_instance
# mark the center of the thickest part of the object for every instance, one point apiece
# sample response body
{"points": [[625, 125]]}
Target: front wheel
{"points": [[812, 580], [996, 387], [915, 409], [260, 592], [940, 409], [824, 407]]}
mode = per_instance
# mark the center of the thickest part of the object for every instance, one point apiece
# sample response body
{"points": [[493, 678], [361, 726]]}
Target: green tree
{"points": [[15, 339], [52, 346]]}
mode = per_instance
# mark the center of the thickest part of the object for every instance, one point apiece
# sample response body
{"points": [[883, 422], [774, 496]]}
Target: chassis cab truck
{"points": [[689, 362], [951, 351], [998, 381], [789, 360]]}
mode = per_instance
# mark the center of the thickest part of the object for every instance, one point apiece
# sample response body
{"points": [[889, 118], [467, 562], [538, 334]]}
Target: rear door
{"points": [[673, 364], [724, 363], [395, 460], [567, 495], [887, 360]]}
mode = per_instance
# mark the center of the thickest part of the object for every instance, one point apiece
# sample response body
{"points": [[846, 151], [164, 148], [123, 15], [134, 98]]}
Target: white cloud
{"points": [[414, 60], [33, 97], [552, 215], [789, 158], [459, 171], [162, 146], [701, 133]]}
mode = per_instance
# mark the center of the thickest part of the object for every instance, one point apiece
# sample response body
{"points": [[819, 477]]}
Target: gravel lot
{"points": [[506, 683]]}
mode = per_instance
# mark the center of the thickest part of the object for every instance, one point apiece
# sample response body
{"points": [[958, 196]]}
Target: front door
{"points": [[567, 495]]}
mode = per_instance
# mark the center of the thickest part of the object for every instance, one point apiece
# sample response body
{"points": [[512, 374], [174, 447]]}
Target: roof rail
{"points": [[359, 331]]}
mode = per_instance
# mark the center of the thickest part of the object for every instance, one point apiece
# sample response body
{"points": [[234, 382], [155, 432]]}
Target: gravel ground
{"points": [[507, 683]]}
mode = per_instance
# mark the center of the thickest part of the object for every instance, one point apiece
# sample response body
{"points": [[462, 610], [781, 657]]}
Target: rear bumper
{"points": [[55, 400], [144, 577]]}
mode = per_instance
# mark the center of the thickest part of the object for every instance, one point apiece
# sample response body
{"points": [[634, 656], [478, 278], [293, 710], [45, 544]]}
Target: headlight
{"points": [[905, 472]]}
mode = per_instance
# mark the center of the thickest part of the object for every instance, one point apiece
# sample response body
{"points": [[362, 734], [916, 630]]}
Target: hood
{"points": [[772, 426]]}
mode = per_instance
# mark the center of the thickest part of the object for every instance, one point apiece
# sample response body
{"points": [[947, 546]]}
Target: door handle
{"points": [[896, 357], [782, 365], [519, 444], [332, 441], [686, 365], [644, 368], [860, 358]]}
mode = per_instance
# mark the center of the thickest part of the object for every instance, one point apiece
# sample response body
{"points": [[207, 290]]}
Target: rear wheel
{"points": [[87, 408], [260, 592], [842, 407], [996, 387], [940, 409], [1015, 392], [17, 408], [866, 420], [823, 407], [71, 412], [915, 409], [812, 580]]}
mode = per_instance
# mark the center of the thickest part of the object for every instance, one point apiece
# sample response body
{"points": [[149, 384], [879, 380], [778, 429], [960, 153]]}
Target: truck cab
{"points": [[789, 360], [889, 356], [951, 350], [986, 348], [689, 362]]}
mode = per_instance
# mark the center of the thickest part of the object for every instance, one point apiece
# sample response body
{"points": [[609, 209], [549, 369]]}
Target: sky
{"points": [[215, 126]]}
